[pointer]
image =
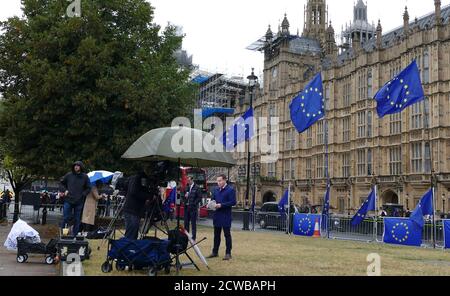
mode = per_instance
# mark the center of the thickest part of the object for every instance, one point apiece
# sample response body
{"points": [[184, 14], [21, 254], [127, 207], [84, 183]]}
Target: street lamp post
{"points": [[252, 79], [349, 204], [443, 203], [407, 202]]}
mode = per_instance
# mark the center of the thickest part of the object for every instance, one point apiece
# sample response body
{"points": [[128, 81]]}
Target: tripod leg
{"points": [[192, 261]]}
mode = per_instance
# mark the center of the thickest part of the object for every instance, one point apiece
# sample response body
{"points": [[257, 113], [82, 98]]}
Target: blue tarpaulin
{"points": [[208, 112], [200, 79]]}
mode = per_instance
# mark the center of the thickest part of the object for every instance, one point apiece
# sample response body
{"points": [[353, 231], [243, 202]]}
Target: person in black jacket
{"points": [[77, 186], [192, 200], [135, 201]]}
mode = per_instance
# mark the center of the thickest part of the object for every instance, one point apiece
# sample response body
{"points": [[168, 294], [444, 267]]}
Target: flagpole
{"points": [[328, 177], [434, 219], [376, 213], [432, 177], [289, 210]]}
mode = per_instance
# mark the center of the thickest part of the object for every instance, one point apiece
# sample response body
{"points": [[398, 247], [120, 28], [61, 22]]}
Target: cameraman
{"points": [[135, 201]]}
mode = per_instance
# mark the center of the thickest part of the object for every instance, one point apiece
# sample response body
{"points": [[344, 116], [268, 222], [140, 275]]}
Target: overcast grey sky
{"points": [[217, 32]]}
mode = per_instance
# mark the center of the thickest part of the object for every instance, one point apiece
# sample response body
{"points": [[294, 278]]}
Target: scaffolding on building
{"points": [[218, 96], [218, 91]]}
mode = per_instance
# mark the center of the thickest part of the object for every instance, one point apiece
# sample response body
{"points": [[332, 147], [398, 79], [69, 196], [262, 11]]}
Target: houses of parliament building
{"points": [[403, 153]]}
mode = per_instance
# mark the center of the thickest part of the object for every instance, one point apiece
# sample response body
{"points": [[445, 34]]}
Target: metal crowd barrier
{"points": [[371, 230], [341, 228]]}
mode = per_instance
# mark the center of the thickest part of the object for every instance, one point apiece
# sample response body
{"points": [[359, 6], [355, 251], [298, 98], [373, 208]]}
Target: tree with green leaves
{"points": [[85, 88]]}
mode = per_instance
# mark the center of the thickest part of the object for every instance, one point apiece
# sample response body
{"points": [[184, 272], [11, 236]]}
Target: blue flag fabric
{"points": [[368, 205], [304, 224], [425, 207], [400, 231], [171, 199], [401, 92], [447, 234], [283, 203], [326, 209], [309, 106], [242, 130]]}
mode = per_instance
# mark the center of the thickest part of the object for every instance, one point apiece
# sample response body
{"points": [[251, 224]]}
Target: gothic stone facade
{"points": [[401, 152]]}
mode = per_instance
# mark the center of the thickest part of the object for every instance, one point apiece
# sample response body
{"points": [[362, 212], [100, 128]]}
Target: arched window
{"points": [[369, 84], [426, 67], [427, 158], [369, 124], [426, 112]]}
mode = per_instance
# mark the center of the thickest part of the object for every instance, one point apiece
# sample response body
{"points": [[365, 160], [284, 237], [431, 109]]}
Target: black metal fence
{"points": [[52, 213]]}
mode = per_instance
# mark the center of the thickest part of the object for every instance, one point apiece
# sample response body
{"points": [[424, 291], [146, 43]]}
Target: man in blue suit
{"points": [[225, 198]]}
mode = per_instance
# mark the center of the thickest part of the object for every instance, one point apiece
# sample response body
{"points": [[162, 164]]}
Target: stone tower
{"points": [[316, 20]]}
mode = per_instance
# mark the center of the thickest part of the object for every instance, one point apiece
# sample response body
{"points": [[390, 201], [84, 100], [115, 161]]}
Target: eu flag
{"points": [[309, 106], [326, 208], [243, 129], [368, 205], [402, 91], [447, 234], [171, 199], [304, 224], [425, 207], [283, 203], [400, 231]]}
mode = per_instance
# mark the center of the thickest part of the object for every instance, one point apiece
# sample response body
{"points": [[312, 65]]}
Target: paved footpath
{"points": [[35, 266]]}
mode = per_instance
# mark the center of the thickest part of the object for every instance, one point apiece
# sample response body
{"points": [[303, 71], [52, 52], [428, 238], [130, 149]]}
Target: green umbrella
{"points": [[190, 147]]}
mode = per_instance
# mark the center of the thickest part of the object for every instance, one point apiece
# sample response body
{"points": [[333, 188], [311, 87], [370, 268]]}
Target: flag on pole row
{"points": [[305, 224], [425, 207], [283, 203], [309, 106], [401, 231], [242, 130], [402, 91], [368, 205]]}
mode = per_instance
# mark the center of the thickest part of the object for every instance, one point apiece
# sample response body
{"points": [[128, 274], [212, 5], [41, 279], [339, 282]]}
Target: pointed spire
{"points": [[379, 35], [330, 40], [406, 21], [285, 25], [269, 35]]}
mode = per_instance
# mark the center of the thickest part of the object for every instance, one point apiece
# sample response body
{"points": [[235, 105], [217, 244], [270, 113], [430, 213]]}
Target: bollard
{"points": [[3, 211], [44, 216], [246, 220]]}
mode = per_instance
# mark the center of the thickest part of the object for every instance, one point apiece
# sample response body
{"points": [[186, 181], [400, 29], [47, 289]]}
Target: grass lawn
{"points": [[276, 254]]}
